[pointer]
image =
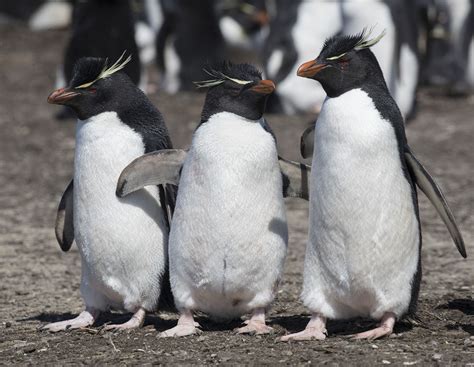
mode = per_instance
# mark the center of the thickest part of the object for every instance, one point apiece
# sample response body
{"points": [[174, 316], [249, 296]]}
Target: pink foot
{"points": [[385, 328], [134, 323], [256, 325], [85, 318], [316, 329], [186, 326]]}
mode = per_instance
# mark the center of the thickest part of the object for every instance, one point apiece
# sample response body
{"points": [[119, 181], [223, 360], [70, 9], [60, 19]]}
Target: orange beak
{"points": [[264, 87], [310, 69], [61, 96]]}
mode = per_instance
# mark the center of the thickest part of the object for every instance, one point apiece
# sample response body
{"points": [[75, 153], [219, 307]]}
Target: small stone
{"points": [[29, 349], [467, 341], [436, 356], [8, 324], [288, 353], [374, 346], [213, 355], [384, 361]]}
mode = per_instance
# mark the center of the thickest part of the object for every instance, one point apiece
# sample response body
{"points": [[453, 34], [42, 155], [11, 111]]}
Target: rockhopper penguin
{"points": [[122, 242], [229, 232], [363, 254]]}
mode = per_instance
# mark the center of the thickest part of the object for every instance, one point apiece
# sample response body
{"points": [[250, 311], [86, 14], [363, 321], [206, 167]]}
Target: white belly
{"points": [[364, 237], [122, 241], [229, 233]]}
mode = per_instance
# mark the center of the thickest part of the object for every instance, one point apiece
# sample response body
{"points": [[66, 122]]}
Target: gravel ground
{"points": [[40, 284]]}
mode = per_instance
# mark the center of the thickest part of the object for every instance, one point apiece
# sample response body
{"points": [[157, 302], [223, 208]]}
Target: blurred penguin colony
{"points": [[427, 42]]}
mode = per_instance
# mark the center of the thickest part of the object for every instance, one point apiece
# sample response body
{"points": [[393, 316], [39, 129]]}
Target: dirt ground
{"points": [[40, 284]]}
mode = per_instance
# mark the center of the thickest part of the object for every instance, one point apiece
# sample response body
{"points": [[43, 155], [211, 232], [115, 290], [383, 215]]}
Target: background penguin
{"points": [[297, 28], [243, 23], [190, 37], [398, 54], [101, 28], [363, 255], [449, 45], [227, 255], [122, 242]]}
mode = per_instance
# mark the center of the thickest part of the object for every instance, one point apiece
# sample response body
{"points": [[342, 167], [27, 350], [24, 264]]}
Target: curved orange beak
{"points": [[310, 69], [62, 96], [264, 87]]}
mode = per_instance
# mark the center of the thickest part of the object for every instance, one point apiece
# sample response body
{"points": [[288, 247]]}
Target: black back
{"points": [[198, 39], [102, 28]]}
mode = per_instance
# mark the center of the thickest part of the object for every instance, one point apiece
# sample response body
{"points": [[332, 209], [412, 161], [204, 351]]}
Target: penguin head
{"points": [[344, 63], [235, 88], [95, 87]]}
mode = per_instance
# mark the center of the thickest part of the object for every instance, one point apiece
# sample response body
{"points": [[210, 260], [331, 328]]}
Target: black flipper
{"points": [[429, 187], [295, 179], [161, 167], [307, 142], [64, 227]]}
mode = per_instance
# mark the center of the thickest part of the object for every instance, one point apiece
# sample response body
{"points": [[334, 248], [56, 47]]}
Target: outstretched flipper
{"points": [[429, 187], [64, 227], [295, 179], [162, 167], [307, 142]]}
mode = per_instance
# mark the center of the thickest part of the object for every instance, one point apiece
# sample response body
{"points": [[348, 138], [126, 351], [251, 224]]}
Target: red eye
{"points": [[92, 90], [344, 63]]}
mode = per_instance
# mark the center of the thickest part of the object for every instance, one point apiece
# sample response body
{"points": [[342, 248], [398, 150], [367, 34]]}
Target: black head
{"points": [[96, 87], [345, 63], [235, 88]]}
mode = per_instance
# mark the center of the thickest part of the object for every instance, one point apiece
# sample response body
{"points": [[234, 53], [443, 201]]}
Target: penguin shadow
{"points": [[342, 328], [104, 319], [466, 306], [48, 317], [206, 324]]}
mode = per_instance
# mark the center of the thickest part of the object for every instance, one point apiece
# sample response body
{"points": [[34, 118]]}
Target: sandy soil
{"points": [[39, 283]]}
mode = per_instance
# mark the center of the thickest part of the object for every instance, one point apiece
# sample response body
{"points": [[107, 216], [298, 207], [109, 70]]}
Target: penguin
{"points": [[187, 23], [363, 254], [100, 28], [297, 28], [229, 233], [243, 23], [449, 46], [398, 54], [122, 242]]}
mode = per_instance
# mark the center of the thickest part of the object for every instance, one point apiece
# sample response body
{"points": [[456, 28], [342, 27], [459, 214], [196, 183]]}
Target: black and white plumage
{"points": [[450, 45], [189, 37], [363, 255], [229, 234], [122, 242], [105, 29], [299, 27]]}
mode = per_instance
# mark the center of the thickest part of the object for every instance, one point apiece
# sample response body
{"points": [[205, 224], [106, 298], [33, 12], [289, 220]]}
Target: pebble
{"points": [[8, 324], [29, 349], [384, 361], [374, 346], [436, 356]]}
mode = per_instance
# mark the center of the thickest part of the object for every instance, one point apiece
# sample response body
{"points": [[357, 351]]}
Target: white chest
{"points": [[361, 202], [103, 222]]}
